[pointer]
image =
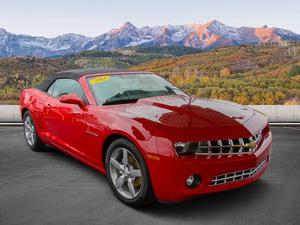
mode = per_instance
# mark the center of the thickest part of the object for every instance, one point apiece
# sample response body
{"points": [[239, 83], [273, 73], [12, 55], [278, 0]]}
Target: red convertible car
{"points": [[151, 140]]}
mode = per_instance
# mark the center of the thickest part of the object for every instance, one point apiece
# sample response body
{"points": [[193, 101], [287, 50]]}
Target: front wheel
{"points": [[30, 133], [128, 174]]}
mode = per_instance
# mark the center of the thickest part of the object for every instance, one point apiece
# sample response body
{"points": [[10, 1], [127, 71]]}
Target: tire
{"points": [[130, 176], [30, 133]]}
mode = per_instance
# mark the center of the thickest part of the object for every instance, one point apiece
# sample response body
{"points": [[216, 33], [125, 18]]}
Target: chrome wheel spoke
{"points": [[120, 181], [131, 188], [32, 138], [27, 126], [116, 164], [135, 173], [125, 157]]}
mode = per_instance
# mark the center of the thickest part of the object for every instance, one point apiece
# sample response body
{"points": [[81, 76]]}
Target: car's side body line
{"points": [[76, 156]]}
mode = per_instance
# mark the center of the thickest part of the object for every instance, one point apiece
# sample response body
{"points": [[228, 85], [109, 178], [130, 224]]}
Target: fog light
{"points": [[193, 181], [190, 180]]}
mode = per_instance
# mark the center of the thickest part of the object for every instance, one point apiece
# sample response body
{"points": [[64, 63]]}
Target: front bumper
{"points": [[169, 180]]}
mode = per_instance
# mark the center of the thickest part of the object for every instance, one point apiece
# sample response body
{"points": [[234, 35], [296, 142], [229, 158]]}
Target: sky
{"points": [[93, 17]]}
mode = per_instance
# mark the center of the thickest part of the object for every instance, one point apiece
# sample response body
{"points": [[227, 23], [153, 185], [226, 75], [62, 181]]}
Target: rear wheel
{"points": [[128, 174], [31, 136]]}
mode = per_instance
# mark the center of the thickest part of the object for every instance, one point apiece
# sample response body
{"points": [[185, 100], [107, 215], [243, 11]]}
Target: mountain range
{"points": [[203, 36]]}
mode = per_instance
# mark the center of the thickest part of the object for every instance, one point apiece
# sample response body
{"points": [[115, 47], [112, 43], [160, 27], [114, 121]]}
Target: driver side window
{"points": [[65, 86]]}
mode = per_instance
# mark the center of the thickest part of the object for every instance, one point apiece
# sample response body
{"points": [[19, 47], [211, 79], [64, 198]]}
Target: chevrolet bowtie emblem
{"points": [[251, 144]]}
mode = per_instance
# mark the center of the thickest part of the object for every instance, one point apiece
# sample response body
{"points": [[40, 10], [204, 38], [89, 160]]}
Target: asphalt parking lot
{"points": [[52, 188]]}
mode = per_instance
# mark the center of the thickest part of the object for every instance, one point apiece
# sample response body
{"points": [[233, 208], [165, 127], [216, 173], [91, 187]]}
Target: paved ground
{"points": [[52, 188]]}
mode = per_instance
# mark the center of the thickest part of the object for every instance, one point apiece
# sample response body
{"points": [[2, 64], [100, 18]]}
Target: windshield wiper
{"points": [[120, 101]]}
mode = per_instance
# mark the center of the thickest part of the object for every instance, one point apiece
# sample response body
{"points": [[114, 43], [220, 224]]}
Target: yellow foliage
{"points": [[241, 99], [225, 72], [296, 78]]}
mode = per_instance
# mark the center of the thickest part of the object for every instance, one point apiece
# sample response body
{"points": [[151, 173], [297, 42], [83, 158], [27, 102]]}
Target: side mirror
{"points": [[72, 99]]}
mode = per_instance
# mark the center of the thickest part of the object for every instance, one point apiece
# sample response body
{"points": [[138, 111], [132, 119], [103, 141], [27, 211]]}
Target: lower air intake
{"points": [[236, 176]]}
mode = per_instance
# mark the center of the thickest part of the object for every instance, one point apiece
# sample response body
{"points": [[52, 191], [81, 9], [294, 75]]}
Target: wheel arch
{"points": [[117, 135], [108, 140], [23, 112]]}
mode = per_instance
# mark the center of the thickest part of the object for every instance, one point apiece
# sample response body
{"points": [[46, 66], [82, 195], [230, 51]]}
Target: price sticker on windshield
{"points": [[99, 80]]}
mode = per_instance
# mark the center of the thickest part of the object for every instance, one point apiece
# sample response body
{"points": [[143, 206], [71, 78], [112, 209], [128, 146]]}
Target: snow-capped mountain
{"points": [[205, 36], [21, 45]]}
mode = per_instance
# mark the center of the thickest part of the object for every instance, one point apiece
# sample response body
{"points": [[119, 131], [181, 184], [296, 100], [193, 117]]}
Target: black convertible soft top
{"points": [[72, 74]]}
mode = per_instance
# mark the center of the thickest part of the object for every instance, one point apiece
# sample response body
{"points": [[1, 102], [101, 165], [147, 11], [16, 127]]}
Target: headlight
{"points": [[191, 147], [181, 147]]}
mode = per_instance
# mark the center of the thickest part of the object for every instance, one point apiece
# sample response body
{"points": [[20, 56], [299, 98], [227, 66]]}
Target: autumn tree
{"points": [[225, 72]]}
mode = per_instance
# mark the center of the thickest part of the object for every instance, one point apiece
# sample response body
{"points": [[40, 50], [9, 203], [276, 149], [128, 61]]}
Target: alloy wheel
{"points": [[125, 173], [29, 129]]}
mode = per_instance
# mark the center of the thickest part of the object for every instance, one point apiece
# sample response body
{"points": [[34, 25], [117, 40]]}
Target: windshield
{"points": [[118, 89]]}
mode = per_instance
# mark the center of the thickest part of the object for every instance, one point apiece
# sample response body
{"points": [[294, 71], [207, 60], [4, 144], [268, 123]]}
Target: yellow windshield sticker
{"points": [[99, 80]]}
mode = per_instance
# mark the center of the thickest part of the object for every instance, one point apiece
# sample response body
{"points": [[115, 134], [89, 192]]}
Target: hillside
{"points": [[243, 74], [125, 57], [17, 73]]}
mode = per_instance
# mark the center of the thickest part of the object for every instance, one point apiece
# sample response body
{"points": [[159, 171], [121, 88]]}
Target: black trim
{"points": [[50, 95], [72, 74]]}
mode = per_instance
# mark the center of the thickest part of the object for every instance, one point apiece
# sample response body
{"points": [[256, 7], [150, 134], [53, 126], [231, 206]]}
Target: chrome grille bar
{"points": [[209, 147], [241, 141], [220, 143], [229, 147], [238, 175]]}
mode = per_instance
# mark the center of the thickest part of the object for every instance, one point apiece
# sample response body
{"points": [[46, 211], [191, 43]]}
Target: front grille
{"points": [[227, 147], [239, 175]]}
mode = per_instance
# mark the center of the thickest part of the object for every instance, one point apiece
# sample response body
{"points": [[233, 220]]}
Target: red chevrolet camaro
{"points": [[151, 140]]}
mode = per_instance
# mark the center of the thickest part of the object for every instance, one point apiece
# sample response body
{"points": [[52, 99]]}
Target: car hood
{"points": [[183, 111], [188, 116], [185, 118]]}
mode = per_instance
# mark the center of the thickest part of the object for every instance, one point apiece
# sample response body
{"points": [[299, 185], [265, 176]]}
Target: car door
{"points": [[52, 116], [65, 122]]}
